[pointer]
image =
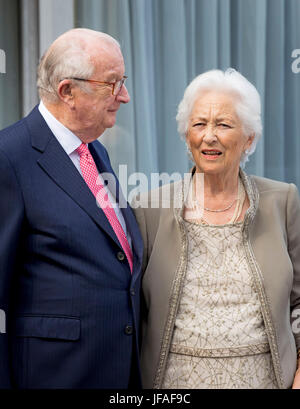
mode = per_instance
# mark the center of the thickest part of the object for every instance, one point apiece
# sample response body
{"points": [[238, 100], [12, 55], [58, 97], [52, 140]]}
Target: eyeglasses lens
{"points": [[118, 86]]}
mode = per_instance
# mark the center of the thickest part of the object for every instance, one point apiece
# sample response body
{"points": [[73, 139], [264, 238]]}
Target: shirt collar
{"points": [[68, 140]]}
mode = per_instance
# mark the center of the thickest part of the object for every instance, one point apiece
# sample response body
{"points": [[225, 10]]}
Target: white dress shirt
{"points": [[70, 142]]}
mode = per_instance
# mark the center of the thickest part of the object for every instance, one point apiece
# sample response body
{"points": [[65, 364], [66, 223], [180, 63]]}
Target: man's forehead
{"points": [[109, 72], [109, 63]]}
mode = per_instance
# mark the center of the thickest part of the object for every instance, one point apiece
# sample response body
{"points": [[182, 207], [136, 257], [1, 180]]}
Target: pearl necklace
{"points": [[220, 210], [241, 195]]}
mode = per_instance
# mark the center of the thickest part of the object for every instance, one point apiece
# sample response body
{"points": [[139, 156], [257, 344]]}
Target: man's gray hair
{"points": [[67, 57], [247, 103]]}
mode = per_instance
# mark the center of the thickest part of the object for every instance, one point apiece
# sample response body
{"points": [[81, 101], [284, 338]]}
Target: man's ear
{"points": [[65, 92]]}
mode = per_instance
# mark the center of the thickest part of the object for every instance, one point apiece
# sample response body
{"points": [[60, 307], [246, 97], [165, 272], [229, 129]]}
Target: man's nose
{"points": [[123, 96]]}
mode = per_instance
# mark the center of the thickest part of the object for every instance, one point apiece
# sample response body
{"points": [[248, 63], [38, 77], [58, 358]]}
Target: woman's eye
{"points": [[199, 124], [224, 125]]}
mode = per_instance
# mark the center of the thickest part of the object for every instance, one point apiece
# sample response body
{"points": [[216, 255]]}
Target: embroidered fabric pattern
{"points": [[219, 340]]}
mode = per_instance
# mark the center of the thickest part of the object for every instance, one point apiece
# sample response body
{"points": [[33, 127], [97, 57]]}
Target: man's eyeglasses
{"points": [[116, 86]]}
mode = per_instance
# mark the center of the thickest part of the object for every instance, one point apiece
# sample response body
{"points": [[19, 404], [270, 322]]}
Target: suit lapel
{"points": [[103, 165], [137, 241], [57, 164]]}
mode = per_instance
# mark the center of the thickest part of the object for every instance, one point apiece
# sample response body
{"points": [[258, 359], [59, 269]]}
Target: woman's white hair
{"points": [[69, 56], [247, 103]]}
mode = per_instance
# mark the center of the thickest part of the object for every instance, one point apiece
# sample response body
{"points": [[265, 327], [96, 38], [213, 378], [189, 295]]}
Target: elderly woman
{"points": [[222, 263]]}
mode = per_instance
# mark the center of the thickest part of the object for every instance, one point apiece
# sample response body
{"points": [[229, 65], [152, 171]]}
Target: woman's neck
{"points": [[219, 185], [222, 200]]}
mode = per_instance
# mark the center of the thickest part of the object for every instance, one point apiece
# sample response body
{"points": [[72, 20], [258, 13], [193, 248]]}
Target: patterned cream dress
{"points": [[219, 340]]}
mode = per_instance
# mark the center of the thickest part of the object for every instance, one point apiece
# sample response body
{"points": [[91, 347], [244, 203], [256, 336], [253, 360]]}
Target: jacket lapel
{"points": [[137, 241], [57, 164], [103, 165]]}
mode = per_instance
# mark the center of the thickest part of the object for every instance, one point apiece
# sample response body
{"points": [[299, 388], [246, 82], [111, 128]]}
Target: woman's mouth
{"points": [[211, 153]]}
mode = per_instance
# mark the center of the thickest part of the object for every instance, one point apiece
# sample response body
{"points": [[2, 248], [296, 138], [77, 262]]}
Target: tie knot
{"points": [[83, 150]]}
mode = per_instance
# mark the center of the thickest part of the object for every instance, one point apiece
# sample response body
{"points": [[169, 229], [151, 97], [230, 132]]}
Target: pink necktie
{"points": [[90, 175]]}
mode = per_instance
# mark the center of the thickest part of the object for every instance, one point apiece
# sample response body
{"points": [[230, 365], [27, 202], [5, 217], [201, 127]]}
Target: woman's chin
{"points": [[210, 169]]}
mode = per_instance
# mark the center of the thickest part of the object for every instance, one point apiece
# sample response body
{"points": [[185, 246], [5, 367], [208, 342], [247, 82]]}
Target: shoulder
{"points": [[15, 145], [278, 195], [265, 185], [275, 190], [13, 150], [16, 137], [152, 207], [12, 135], [154, 212], [162, 197]]}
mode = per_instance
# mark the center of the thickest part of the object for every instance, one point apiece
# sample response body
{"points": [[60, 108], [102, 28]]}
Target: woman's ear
{"points": [[249, 142], [187, 140]]}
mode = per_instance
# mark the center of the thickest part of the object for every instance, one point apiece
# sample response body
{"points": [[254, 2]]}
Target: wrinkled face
{"points": [[215, 135], [97, 110]]}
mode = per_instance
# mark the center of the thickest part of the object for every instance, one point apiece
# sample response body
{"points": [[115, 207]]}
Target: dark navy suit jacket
{"points": [[71, 303]]}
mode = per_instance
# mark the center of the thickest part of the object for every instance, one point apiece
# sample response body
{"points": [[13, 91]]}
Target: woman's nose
{"points": [[210, 136]]}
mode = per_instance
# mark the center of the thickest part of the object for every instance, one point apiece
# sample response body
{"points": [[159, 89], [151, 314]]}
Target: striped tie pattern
{"points": [[90, 174]]}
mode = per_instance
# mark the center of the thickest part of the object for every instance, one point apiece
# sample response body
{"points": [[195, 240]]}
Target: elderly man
{"points": [[69, 265]]}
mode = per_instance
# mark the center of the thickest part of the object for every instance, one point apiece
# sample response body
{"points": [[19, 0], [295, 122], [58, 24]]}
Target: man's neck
{"points": [[58, 112], [66, 118]]}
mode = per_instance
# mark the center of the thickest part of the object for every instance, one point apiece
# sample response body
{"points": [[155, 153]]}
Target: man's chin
{"points": [[111, 122]]}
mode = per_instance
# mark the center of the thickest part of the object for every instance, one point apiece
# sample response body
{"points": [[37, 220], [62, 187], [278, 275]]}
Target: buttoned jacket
{"points": [[70, 299]]}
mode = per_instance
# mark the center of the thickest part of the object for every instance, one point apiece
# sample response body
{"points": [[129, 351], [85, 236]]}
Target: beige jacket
{"points": [[271, 235]]}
